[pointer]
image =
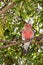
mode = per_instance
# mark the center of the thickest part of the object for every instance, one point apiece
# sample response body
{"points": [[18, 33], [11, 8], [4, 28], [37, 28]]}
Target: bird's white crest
{"points": [[31, 21]]}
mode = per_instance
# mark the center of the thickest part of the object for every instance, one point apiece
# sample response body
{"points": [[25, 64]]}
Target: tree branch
{"points": [[2, 0], [5, 9], [13, 43], [3, 47]]}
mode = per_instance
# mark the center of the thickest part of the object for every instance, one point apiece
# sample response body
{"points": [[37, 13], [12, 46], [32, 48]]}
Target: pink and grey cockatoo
{"points": [[27, 33]]}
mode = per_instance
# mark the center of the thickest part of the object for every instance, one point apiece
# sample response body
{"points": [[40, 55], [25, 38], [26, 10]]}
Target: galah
{"points": [[27, 33]]}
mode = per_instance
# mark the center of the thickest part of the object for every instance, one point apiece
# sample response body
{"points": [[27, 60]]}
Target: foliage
{"points": [[11, 24]]}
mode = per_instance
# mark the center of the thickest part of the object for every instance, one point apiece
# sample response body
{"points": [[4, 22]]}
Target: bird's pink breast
{"points": [[27, 33]]}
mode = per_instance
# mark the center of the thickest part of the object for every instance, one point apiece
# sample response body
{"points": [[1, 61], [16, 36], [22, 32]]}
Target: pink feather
{"points": [[27, 32]]}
